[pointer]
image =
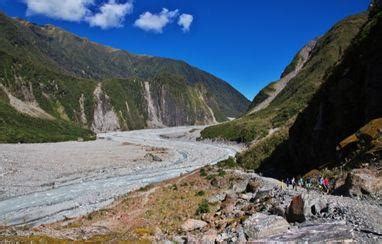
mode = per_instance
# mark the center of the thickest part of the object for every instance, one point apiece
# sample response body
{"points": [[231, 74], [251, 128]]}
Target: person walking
{"points": [[326, 184], [287, 181], [293, 183]]}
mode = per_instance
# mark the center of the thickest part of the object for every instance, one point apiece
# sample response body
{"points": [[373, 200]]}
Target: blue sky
{"points": [[245, 42]]}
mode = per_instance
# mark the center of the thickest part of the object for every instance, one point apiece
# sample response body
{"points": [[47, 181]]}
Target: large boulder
{"points": [[240, 186], [254, 185], [295, 212], [304, 206], [228, 205], [261, 225], [193, 224], [361, 182]]}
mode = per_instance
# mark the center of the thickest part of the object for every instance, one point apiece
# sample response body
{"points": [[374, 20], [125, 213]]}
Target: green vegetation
{"points": [[261, 151], [262, 95], [283, 110], [56, 70], [16, 127], [203, 207], [296, 95], [228, 163]]}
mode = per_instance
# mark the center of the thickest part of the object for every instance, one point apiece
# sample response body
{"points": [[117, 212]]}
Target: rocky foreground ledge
{"points": [[215, 205]]}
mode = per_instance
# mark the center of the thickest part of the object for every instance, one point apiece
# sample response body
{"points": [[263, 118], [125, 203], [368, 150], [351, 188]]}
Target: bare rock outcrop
{"points": [[262, 225], [104, 119], [193, 224]]}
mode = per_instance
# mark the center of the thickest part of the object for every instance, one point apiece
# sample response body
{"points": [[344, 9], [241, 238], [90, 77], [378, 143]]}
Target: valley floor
{"points": [[43, 183]]}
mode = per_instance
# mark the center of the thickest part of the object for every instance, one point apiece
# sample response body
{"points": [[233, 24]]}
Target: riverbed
{"points": [[47, 182]]}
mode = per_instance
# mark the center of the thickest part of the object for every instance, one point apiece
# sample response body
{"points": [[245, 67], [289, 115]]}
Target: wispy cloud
{"points": [[111, 15], [71, 10], [156, 22], [106, 13], [185, 21]]}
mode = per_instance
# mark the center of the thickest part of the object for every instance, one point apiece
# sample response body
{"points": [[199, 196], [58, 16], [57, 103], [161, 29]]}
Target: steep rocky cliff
{"points": [[49, 74]]}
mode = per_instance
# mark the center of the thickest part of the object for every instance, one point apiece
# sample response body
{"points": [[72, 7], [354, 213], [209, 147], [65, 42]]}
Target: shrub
{"points": [[203, 172], [203, 207]]}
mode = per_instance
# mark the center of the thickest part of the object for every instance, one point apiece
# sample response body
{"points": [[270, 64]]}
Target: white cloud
{"points": [[185, 21], [71, 10], [156, 22], [111, 15]]}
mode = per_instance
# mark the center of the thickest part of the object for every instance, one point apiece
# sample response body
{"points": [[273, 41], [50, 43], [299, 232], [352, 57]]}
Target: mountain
{"points": [[343, 120], [269, 93], [52, 77], [275, 109]]}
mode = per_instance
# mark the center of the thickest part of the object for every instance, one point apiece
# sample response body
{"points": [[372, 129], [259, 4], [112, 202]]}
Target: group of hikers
{"points": [[309, 183]]}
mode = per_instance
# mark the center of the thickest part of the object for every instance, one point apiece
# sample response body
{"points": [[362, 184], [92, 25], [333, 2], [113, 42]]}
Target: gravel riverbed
{"points": [[43, 183]]}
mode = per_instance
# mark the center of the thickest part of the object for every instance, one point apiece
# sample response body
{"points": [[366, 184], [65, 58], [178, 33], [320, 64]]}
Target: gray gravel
{"points": [[43, 183]]}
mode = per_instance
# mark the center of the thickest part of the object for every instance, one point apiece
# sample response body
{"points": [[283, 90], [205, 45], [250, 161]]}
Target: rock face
{"points": [[268, 94], [361, 182], [261, 225], [193, 224], [105, 119]]}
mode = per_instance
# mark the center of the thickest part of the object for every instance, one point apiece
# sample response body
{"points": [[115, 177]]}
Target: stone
{"points": [[216, 198], [152, 158], [179, 239], [314, 205], [193, 224], [192, 239], [228, 205], [241, 235], [305, 206], [361, 182], [247, 196], [240, 186], [254, 185], [261, 225], [210, 237], [295, 212]]}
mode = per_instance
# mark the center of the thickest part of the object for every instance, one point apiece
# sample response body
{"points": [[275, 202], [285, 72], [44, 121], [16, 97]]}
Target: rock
{"points": [[261, 225], [192, 239], [153, 158], [222, 237], [314, 205], [240, 186], [215, 182], [262, 196], [278, 210], [361, 182], [216, 198], [193, 224], [241, 235], [295, 212], [209, 237], [254, 185], [179, 239], [247, 196], [304, 206], [228, 205]]}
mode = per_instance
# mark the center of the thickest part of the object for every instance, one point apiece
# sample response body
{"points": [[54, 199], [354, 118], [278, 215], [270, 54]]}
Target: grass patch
{"points": [[203, 207]]}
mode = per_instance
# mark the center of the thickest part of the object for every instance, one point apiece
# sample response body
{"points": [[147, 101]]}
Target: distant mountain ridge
{"points": [[80, 83], [279, 126]]}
